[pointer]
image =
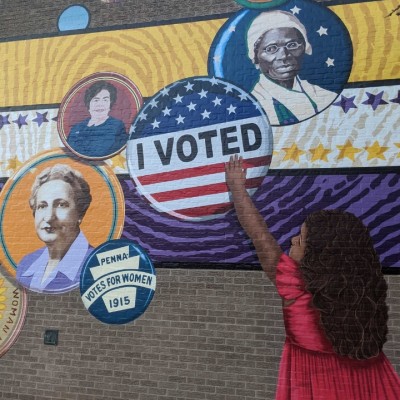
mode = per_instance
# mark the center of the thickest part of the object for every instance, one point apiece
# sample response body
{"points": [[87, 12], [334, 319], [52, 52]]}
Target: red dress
{"points": [[310, 369]]}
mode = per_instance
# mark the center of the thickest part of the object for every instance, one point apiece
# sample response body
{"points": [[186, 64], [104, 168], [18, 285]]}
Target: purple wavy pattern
{"points": [[284, 201]]}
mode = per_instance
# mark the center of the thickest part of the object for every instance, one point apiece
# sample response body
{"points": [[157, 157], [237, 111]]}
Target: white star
{"points": [[165, 91], [231, 109], [178, 99], [189, 86], [295, 10], [153, 103], [217, 58], [322, 31], [180, 119], [155, 124], [203, 93], [143, 117], [206, 114], [214, 81], [228, 88], [191, 106], [243, 96], [257, 105], [330, 62], [133, 129], [217, 102], [166, 111], [232, 28]]}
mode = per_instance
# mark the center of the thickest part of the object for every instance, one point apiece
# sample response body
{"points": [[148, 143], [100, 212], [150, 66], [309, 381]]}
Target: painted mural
{"points": [[55, 199], [13, 305], [311, 107]]}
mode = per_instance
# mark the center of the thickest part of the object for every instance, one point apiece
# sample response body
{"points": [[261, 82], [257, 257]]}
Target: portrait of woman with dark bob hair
{"points": [[100, 135], [60, 197], [334, 303]]}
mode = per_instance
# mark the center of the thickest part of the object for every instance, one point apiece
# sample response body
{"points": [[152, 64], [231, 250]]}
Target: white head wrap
{"points": [[273, 20]]}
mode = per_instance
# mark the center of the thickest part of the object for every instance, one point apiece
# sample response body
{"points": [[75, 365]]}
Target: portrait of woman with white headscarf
{"points": [[277, 43]]}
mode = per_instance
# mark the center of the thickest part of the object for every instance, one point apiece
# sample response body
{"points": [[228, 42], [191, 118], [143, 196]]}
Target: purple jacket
{"points": [[65, 277]]}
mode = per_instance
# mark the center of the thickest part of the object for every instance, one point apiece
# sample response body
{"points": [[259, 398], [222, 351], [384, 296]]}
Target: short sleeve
{"points": [[289, 281]]}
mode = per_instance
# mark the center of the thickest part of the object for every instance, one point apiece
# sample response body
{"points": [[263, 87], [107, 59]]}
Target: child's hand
{"points": [[235, 174]]}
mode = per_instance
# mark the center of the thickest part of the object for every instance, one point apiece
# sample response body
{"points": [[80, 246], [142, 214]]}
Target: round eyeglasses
{"points": [[290, 46]]}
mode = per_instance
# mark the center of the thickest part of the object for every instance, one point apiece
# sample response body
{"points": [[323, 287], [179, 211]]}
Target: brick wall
{"points": [[208, 334]]}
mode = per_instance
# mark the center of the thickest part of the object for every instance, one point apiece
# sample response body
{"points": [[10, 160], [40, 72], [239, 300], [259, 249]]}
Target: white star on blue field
{"points": [[193, 103]]}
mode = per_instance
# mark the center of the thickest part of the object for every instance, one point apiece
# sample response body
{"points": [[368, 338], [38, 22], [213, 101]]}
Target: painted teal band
{"points": [[264, 5]]}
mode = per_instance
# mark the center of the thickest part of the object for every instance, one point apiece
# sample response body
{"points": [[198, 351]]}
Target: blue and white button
{"points": [[118, 282]]}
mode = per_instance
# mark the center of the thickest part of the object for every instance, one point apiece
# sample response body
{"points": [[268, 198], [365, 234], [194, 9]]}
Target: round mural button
{"points": [[183, 136], [118, 282]]}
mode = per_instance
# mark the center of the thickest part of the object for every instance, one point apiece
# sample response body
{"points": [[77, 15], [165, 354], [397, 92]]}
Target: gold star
{"points": [[14, 163], [292, 153], [347, 150], [398, 145], [320, 153], [376, 151], [118, 161]]}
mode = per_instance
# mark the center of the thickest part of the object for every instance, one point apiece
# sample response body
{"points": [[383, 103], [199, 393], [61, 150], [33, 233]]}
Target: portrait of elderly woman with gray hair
{"points": [[60, 197], [277, 43]]}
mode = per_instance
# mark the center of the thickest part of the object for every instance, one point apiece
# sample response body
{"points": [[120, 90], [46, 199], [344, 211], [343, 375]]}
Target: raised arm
{"points": [[267, 248]]}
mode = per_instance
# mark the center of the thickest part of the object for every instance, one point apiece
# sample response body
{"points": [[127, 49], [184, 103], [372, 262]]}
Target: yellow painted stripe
{"points": [[41, 71], [375, 38]]}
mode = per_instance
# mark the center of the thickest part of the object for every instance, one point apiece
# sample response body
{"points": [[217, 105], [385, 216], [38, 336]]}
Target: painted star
{"points": [[155, 124], [346, 103], [203, 93], [376, 151], [4, 120], [165, 92], [398, 145], [292, 153], [242, 96], [178, 99], [347, 150], [40, 118], [217, 101], [322, 31], [55, 118], [374, 100], [189, 86], [153, 103], [330, 62], [295, 10], [191, 106], [213, 81], [142, 117], [180, 119], [118, 161], [232, 28], [13, 163], [206, 114], [217, 58], [231, 109], [396, 99], [21, 120], [166, 111], [319, 153], [228, 88]]}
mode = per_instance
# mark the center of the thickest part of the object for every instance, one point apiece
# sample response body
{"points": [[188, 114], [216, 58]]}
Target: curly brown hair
{"points": [[342, 272]]}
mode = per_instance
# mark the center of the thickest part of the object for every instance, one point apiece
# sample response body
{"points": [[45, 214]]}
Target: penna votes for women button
{"points": [[118, 282]]}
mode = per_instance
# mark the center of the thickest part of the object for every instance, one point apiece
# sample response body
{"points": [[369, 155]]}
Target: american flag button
{"points": [[181, 139]]}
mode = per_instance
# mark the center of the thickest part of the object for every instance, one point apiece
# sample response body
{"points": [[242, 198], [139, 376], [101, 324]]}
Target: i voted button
{"points": [[182, 138], [117, 282]]}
